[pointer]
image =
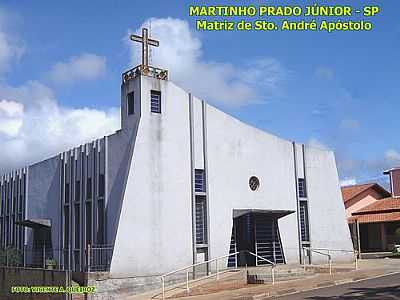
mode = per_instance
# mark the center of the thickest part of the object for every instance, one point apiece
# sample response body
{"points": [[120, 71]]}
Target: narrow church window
{"points": [[101, 185], [77, 226], [201, 220], [66, 226], [155, 101], [77, 191], [131, 103], [66, 193], [199, 180], [302, 188], [89, 188], [100, 222], [304, 223], [88, 223]]}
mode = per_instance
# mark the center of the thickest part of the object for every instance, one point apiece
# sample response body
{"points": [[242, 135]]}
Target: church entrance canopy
{"points": [[257, 231]]}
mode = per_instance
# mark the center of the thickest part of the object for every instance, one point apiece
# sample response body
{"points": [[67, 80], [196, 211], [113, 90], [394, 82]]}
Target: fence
{"points": [[95, 258]]}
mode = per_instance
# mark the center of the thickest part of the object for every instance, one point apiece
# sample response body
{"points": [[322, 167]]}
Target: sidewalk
{"points": [[233, 286]]}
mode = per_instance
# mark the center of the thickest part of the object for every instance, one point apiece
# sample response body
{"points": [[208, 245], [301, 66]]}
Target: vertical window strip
{"points": [[199, 180], [201, 220], [304, 222], [302, 188]]}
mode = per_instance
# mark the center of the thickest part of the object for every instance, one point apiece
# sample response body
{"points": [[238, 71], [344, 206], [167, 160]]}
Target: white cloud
{"points": [[10, 47], [324, 73], [348, 181], [349, 125], [33, 130], [33, 125], [313, 142], [84, 67], [10, 117], [236, 84], [392, 156]]}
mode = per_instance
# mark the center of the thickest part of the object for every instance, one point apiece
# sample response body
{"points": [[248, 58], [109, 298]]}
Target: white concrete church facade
{"points": [[180, 182]]}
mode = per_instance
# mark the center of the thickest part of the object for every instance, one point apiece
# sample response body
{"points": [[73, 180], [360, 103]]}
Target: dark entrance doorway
{"points": [[41, 243], [257, 231]]}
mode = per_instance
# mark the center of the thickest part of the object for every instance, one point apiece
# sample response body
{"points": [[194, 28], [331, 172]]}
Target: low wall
{"points": [[114, 288], [24, 277]]}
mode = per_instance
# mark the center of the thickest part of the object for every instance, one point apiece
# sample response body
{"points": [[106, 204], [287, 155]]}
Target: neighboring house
{"points": [[373, 214], [358, 196]]}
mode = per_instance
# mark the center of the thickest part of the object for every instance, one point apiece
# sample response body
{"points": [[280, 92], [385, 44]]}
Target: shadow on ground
{"points": [[379, 293]]}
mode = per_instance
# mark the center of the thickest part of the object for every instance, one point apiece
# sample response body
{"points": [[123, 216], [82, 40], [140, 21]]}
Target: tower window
{"points": [[131, 103], [155, 102]]}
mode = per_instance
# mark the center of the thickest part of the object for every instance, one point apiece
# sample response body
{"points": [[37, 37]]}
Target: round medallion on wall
{"points": [[254, 183]]}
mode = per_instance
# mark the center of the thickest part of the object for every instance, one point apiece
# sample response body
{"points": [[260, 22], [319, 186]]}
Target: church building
{"points": [[181, 182]]}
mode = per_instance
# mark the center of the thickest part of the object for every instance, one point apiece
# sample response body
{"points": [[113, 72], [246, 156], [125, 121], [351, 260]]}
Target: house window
{"points": [[304, 223], [199, 180], [131, 103], [155, 102], [302, 188]]}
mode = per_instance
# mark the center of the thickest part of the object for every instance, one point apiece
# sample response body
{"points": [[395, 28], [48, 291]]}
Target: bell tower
{"points": [[131, 81]]}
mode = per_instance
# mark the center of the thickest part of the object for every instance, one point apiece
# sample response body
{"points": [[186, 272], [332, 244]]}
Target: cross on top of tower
{"points": [[144, 68], [145, 41]]}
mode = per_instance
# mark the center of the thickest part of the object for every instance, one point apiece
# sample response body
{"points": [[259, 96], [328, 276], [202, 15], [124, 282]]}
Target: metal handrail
{"points": [[321, 253], [262, 258], [198, 264], [332, 250], [217, 269], [318, 251]]}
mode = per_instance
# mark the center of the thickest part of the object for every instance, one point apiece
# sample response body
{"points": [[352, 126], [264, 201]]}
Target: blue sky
{"points": [[336, 90]]}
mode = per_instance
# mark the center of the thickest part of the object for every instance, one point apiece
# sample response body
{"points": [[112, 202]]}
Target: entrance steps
{"points": [[263, 275]]}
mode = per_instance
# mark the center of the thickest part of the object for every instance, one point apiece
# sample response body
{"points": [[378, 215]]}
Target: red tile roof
{"points": [[387, 204], [349, 192], [383, 210], [376, 218]]}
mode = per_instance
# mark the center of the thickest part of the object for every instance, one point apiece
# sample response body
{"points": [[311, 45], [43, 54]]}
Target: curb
{"points": [[320, 285]]}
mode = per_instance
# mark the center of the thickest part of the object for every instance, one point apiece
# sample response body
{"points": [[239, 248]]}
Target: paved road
{"points": [[382, 288]]}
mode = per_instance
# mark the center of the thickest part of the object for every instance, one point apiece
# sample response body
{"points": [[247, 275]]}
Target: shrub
{"points": [[10, 257]]}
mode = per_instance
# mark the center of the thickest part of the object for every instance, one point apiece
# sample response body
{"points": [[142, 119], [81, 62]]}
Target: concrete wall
{"points": [[328, 226], [120, 149], [43, 199], [236, 152], [10, 277], [154, 231]]}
